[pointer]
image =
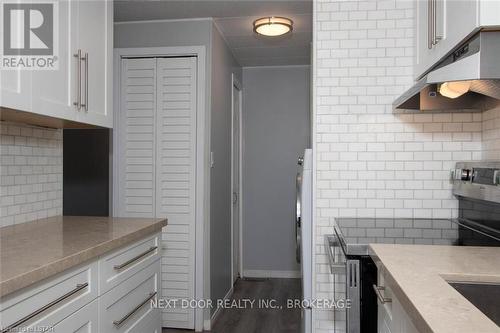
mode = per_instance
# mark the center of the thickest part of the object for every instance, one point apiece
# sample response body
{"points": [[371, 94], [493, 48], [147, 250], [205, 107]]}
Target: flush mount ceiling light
{"points": [[272, 26], [454, 89]]}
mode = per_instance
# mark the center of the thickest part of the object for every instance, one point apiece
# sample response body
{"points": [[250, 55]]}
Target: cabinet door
{"points": [[15, 89], [95, 39], [82, 321], [455, 20], [54, 91]]}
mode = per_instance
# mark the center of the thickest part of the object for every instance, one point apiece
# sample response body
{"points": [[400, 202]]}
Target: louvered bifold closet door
{"points": [[175, 186], [136, 139]]}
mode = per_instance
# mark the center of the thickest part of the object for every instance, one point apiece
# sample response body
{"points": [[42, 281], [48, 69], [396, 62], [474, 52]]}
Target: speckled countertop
{"points": [[30, 252], [418, 275]]}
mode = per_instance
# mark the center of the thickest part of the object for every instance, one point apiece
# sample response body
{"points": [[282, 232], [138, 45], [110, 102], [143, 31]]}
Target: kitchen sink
{"points": [[486, 297]]}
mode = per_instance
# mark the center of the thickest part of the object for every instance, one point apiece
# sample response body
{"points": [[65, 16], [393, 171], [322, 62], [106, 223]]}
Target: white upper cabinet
{"points": [[80, 90], [443, 24], [95, 40], [54, 91]]}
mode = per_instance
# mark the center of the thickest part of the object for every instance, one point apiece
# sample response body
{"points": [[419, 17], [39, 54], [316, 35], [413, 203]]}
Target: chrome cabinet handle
{"points": [[21, 321], [381, 298], [437, 38], [433, 21], [335, 267], [78, 102], [85, 58], [130, 261], [429, 24], [119, 322]]}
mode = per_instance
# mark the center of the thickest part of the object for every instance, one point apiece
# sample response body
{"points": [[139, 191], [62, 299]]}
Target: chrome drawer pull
{"points": [[131, 313], [128, 262], [21, 321], [381, 298]]}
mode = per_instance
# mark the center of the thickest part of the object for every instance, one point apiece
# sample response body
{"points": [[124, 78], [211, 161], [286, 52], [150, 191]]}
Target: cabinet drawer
{"points": [[127, 307], [82, 321], [121, 264], [50, 301]]}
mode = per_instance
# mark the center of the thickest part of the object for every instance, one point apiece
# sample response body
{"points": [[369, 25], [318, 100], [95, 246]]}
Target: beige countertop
{"points": [[30, 252], [418, 276]]}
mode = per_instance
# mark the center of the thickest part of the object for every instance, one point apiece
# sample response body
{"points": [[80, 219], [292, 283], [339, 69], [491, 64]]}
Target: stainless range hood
{"points": [[470, 74]]}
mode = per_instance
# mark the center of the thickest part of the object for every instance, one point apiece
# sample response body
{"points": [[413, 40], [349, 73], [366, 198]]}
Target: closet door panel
{"points": [[136, 135], [175, 179]]}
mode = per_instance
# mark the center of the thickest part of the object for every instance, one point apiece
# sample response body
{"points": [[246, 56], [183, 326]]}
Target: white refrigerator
{"points": [[303, 233]]}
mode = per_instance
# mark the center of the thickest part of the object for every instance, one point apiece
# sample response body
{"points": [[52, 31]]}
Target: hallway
{"points": [[255, 320]]}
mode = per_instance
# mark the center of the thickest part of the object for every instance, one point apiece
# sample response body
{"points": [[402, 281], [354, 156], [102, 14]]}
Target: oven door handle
{"points": [[381, 297], [331, 242]]}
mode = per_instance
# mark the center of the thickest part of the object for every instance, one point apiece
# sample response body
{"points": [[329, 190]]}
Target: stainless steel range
{"points": [[477, 188]]}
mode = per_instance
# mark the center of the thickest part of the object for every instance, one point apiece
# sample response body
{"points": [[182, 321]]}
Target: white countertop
{"points": [[418, 276]]}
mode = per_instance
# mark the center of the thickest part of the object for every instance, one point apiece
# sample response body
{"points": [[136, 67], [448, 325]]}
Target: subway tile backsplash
{"points": [[370, 161], [31, 173]]}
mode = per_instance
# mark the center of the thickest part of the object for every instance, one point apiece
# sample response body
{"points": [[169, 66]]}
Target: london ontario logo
{"points": [[30, 35]]}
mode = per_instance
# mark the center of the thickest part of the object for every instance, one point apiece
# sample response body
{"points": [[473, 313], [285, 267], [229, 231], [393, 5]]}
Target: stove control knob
{"points": [[496, 177]]}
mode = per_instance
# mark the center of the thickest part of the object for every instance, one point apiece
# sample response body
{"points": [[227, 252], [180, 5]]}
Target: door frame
{"points": [[236, 84], [202, 206]]}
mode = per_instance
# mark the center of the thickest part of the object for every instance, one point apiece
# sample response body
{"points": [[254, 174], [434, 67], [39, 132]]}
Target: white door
{"points": [[135, 137], [156, 162], [235, 212], [175, 181], [95, 39]]}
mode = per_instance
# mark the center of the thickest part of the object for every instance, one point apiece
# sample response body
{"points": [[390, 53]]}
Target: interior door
{"points": [[176, 181], [236, 183], [135, 137], [156, 165]]}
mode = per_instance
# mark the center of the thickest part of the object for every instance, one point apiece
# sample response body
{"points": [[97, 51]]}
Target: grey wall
{"points": [[223, 65], [276, 129], [162, 33]]}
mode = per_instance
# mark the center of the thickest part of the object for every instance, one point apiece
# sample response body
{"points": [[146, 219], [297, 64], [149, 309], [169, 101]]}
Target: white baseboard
{"points": [[208, 323], [251, 273]]}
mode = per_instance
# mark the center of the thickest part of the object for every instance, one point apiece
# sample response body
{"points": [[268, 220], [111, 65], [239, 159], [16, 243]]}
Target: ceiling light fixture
{"points": [[273, 26]]}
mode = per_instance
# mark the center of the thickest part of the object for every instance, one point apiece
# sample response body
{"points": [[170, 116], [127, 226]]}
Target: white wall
{"points": [[276, 130], [222, 67], [371, 162], [31, 177]]}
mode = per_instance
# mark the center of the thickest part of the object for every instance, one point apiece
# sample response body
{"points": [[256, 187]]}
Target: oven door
{"points": [[346, 286]]}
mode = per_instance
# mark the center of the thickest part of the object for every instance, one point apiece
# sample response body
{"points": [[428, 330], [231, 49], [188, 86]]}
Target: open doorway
{"points": [[236, 145]]}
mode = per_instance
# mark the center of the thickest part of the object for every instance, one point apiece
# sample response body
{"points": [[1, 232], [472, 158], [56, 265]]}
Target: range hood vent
{"points": [[475, 65]]}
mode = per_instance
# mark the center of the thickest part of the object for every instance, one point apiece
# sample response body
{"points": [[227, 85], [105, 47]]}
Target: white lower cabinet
{"points": [[127, 307], [77, 300], [84, 320], [392, 317]]}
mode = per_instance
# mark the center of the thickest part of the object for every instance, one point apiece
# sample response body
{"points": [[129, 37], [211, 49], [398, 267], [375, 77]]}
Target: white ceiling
{"points": [[234, 19]]}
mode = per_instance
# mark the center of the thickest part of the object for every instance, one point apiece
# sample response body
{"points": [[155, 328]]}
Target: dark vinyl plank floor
{"points": [[260, 319]]}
